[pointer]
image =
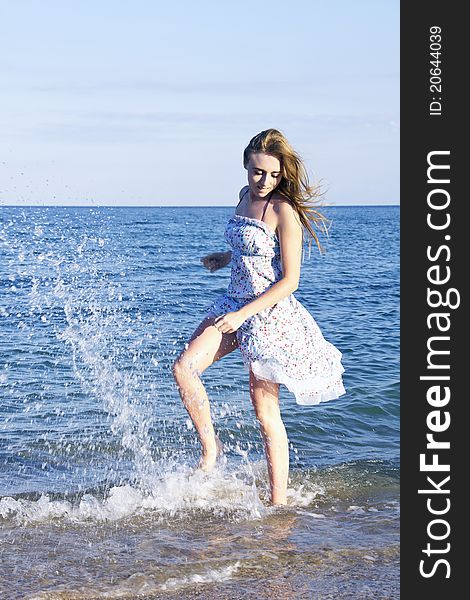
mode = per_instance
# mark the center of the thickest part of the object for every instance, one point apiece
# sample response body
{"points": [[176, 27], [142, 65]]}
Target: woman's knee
{"points": [[181, 368], [268, 416], [265, 399], [266, 407], [188, 365]]}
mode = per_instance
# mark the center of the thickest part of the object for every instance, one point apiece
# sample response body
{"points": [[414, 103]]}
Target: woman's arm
{"points": [[216, 260], [290, 240]]}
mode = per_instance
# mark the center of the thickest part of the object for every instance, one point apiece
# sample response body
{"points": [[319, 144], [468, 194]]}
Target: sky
{"points": [[151, 103]]}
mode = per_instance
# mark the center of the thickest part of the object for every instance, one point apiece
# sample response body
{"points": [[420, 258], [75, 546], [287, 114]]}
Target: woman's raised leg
{"points": [[206, 346], [265, 398]]}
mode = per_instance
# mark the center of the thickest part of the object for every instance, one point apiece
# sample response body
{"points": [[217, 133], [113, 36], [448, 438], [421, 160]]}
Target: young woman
{"points": [[278, 338]]}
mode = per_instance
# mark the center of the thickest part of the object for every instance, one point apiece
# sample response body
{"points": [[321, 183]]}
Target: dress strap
{"points": [[266, 204]]}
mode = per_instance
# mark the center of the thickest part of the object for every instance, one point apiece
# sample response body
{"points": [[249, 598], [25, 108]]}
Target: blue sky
{"points": [[141, 102]]}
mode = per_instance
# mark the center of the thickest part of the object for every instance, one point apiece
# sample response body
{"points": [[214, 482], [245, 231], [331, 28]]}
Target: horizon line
{"points": [[162, 206]]}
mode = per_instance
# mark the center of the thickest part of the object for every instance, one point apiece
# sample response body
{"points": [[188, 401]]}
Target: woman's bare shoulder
{"points": [[281, 203], [242, 191], [284, 208]]}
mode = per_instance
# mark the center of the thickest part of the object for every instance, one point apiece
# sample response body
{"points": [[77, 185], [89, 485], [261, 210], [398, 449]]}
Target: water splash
{"points": [[90, 337], [75, 293], [233, 494]]}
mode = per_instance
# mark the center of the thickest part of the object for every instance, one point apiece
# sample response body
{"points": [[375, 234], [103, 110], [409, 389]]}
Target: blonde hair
{"points": [[294, 184]]}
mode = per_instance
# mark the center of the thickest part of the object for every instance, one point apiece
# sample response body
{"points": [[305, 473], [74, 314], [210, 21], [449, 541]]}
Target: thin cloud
{"points": [[131, 127]]}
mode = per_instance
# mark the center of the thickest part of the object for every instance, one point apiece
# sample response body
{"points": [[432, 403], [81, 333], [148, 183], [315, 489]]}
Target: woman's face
{"points": [[264, 174]]}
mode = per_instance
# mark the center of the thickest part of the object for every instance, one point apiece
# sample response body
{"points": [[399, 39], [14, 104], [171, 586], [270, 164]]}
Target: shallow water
{"points": [[97, 495]]}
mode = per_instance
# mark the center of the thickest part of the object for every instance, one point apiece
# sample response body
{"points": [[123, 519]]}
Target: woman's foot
{"points": [[209, 458]]}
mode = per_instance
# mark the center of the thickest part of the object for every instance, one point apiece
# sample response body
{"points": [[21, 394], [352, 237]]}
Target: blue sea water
{"points": [[96, 447]]}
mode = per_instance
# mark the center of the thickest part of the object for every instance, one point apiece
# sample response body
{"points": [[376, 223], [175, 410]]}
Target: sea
{"points": [[99, 497]]}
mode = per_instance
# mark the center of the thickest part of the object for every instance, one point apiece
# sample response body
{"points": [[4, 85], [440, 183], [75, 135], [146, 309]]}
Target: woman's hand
{"points": [[216, 260], [229, 322]]}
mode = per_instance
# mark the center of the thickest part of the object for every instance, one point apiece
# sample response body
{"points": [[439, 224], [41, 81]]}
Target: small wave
{"points": [[139, 584], [242, 494], [211, 575], [233, 493]]}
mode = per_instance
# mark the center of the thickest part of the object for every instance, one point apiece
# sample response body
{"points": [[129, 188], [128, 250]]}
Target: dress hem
{"points": [[307, 392], [314, 389]]}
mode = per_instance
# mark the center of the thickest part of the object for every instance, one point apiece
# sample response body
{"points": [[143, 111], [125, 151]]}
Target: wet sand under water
{"points": [[233, 565]]}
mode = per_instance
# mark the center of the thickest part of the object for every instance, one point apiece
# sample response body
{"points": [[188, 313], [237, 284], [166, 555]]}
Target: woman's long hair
{"points": [[294, 184]]}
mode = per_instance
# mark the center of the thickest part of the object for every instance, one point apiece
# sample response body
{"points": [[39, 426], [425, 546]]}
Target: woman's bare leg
{"points": [[206, 345], [265, 399]]}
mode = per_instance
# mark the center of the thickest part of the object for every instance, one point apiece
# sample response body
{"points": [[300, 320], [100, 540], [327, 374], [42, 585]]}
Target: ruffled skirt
{"points": [[283, 344]]}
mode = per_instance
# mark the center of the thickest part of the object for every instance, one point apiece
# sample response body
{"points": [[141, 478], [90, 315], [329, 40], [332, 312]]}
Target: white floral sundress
{"points": [[282, 343]]}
